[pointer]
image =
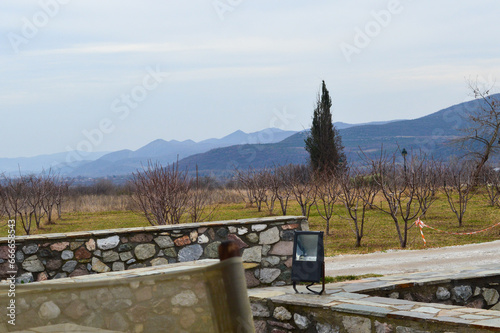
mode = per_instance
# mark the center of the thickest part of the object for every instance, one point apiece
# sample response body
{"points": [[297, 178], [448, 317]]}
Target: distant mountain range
{"points": [[430, 134], [36, 164], [122, 162], [268, 147]]}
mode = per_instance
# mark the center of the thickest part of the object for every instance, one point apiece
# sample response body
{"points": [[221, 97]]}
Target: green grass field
{"points": [[380, 233]]}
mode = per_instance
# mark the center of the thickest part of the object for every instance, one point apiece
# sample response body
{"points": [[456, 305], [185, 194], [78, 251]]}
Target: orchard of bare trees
{"points": [[358, 198], [404, 191], [164, 194], [29, 199]]}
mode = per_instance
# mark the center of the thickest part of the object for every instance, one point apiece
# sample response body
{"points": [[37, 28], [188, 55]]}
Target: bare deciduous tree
{"points": [[482, 132], [255, 185], [427, 175], [406, 193], [272, 184], [327, 190], [62, 187], [302, 188], [50, 184], [260, 185], [17, 192], [459, 187], [200, 206], [4, 200], [491, 182], [161, 193], [35, 196], [284, 190], [29, 198], [358, 191], [245, 184]]}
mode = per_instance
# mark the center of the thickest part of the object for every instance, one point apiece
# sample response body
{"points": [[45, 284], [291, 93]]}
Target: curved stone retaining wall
{"points": [[265, 245], [356, 306]]}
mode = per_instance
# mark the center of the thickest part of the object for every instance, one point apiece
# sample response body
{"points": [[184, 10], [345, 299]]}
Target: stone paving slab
{"points": [[362, 309], [390, 301], [489, 322], [347, 295], [304, 299]]}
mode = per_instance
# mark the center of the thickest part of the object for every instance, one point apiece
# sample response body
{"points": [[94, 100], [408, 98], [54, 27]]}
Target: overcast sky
{"points": [[109, 75]]}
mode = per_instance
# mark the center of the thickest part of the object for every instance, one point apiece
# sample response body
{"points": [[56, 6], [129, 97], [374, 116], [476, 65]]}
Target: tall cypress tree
{"points": [[324, 143]]}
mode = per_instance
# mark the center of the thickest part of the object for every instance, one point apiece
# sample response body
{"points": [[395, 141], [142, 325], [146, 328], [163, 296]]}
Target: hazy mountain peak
{"points": [[157, 141]]}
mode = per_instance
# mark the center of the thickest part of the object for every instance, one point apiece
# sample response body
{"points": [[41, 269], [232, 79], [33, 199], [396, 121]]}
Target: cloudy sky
{"points": [[115, 74]]}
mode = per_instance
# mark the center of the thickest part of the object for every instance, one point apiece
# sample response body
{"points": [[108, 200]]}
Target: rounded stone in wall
{"points": [[461, 294], [49, 310], [253, 254], [110, 256], [125, 256], [118, 266], [124, 247], [252, 237], [268, 275], [108, 242], [19, 256], [53, 264], [212, 250], [287, 235], [490, 295], [442, 294], [185, 298], [203, 239], [141, 238], [82, 253], [159, 261], [144, 251], [66, 255], [33, 264], [222, 232], [270, 236], [69, 266], [46, 253], [326, 328], [99, 266], [170, 252], [301, 321], [282, 313], [190, 253], [164, 241], [260, 310], [24, 278], [30, 248]]}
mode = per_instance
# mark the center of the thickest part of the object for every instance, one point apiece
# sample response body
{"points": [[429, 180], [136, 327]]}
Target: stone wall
{"points": [[276, 317], [265, 245], [357, 306], [480, 293]]}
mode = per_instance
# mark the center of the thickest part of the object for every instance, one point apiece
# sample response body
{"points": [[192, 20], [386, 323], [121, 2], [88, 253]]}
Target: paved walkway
{"points": [[408, 261]]}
